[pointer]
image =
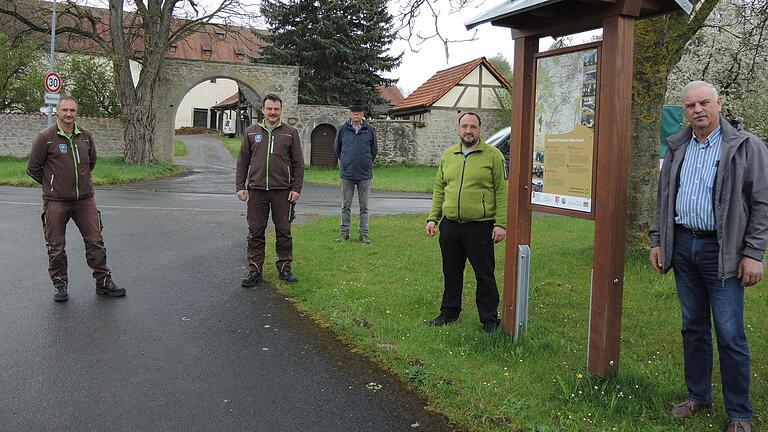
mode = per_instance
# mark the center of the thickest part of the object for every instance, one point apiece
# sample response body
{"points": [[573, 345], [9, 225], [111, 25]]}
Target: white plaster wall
{"points": [[204, 95]]}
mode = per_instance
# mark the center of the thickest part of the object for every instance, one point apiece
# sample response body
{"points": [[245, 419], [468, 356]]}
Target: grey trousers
{"points": [[347, 192]]}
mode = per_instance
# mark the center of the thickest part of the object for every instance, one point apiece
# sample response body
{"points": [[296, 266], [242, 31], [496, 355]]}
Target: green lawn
{"points": [[180, 148], [377, 297], [400, 177], [13, 171]]}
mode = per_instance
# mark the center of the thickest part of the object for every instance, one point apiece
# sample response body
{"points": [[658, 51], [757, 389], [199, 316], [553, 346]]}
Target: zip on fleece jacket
{"points": [[64, 158], [270, 160], [270, 147], [470, 188]]}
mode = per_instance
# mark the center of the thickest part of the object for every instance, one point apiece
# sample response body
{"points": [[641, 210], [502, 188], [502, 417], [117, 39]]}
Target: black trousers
{"points": [[459, 242]]}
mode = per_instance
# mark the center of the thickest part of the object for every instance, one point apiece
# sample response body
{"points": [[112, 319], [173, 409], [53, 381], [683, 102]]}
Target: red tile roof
{"points": [[237, 45], [442, 81], [232, 100], [390, 93], [211, 43]]}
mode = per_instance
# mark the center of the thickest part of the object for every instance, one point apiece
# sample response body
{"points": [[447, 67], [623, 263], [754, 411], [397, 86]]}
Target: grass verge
{"points": [[180, 148], [13, 171], [232, 145], [377, 298], [400, 177]]}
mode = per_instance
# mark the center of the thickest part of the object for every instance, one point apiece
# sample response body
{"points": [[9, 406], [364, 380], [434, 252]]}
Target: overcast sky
{"points": [[420, 66], [417, 67], [489, 41]]}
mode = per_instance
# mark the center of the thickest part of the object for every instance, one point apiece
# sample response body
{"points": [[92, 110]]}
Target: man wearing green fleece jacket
{"points": [[470, 204]]}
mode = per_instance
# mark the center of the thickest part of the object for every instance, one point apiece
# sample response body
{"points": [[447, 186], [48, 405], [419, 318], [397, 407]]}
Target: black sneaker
{"points": [[288, 277], [490, 326], [441, 320], [111, 289], [61, 294], [251, 279]]}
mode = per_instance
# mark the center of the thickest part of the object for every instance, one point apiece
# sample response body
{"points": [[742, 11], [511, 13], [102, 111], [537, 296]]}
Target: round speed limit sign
{"points": [[52, 82]]}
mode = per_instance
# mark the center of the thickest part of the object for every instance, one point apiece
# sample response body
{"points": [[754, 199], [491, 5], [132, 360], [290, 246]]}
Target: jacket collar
{"points": [[363, 124], [263, 124], [481, 146], [732, 135], [63, 133]]}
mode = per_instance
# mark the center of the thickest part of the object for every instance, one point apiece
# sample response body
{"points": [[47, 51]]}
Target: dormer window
{"points": [[172, 48], [207, 46]]}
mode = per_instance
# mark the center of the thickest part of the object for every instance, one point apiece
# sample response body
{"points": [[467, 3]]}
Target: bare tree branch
{"points": [[411, 12]]}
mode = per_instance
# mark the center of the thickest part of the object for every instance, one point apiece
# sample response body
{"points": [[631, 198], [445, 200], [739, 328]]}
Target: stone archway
{"points": [[178, 77], [321, 141]]}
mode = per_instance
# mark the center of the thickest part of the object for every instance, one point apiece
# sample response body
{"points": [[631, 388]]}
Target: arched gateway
{"points": [[178, 77]]}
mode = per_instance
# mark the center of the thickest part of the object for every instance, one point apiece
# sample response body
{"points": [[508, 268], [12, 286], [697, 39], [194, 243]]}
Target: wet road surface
{"points": [[187, 348]]}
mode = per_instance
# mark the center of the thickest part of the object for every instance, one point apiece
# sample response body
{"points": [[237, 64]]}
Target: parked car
{"points": [[500, 140], [498, 136], [229, 128]]}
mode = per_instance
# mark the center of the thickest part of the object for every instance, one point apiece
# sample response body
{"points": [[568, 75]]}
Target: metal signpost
{"points": [[52, 80]]}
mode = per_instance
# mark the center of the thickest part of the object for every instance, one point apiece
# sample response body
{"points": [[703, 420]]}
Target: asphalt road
{"points": [[187, 348]]}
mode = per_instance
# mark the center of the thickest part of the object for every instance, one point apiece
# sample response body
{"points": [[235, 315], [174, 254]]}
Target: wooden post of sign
{"points": [[613, 147], [520, 161]]}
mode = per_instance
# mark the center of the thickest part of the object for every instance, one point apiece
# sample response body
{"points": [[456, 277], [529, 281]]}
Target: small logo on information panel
{"points": [[63, 148], [258, 138]]}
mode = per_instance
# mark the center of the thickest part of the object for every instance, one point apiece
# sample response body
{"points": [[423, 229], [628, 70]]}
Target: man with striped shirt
{"points": [[712, 229]]}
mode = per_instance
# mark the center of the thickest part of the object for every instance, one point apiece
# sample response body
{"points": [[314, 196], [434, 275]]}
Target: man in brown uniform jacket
{"points": [[269, 176], [61, 160]]}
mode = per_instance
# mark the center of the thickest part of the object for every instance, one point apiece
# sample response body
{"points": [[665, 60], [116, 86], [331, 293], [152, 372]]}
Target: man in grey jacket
{"points": [[356, 148], [712, 228]]}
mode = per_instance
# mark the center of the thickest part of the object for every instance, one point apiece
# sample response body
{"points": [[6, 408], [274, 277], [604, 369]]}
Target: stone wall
{"points": [[441, 130], [312, 116], [18, 130], [178, 77], [397, 141], [396, 138]]}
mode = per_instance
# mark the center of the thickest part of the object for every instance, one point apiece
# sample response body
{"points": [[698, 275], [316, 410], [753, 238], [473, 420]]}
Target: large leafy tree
{"points": [[21, 75], [92, 81], [125, 30], [729, 51], [340, 47]]}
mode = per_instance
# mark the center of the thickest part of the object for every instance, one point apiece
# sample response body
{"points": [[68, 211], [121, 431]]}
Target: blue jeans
{"points": [[702, 293], [347, 192]]}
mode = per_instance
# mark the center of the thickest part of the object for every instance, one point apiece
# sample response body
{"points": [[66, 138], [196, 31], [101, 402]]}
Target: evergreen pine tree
{"points": [[340, 47]]}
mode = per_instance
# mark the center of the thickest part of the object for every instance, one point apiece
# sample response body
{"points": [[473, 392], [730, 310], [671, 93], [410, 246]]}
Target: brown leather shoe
{"points": [[688, 408], [738, 426]]}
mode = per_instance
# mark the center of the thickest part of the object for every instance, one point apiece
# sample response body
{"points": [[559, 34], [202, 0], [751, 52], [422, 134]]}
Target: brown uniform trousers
{"points": [[259, 204], [55, 216]]}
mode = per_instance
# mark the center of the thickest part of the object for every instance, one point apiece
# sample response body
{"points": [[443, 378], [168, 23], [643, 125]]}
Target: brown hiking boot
{"points": [[688, 408], [342, 237], [364, 239]]}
